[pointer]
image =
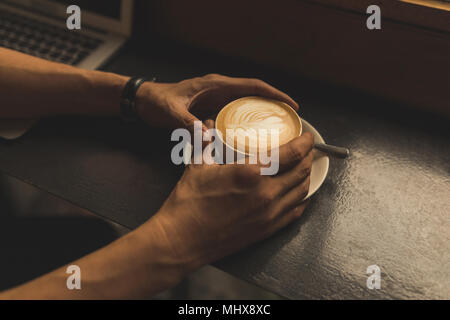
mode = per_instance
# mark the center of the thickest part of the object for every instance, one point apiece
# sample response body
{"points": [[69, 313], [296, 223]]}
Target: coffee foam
{"points": [[249, 117]]}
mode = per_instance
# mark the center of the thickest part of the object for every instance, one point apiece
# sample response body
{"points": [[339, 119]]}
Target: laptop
{"points": [[38, 28]]}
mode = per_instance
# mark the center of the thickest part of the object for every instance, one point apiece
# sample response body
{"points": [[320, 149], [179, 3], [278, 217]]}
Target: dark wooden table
{"points": [[387, 205]]}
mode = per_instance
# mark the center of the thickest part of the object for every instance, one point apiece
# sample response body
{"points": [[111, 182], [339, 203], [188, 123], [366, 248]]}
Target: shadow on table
{"points": [[31, 247]]}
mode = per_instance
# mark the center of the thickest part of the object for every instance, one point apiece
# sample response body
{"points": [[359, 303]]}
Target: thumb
{"points": [[189, 121], [206, 155], [194, 125]]}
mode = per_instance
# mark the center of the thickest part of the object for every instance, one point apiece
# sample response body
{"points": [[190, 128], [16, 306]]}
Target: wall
{"points": [[403, 62]]}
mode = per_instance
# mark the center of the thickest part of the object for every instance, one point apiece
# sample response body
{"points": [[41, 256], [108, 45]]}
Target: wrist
{"points": [[177, 251], [146, 97], [108, 88], [160, 259]]}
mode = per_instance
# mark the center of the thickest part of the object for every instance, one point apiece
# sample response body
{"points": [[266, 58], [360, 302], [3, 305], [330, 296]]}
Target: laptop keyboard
{"points": [[44, 40]]}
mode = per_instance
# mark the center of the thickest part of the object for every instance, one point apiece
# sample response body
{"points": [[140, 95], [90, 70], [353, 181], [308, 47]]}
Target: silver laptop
{"points": [[38, 28]]}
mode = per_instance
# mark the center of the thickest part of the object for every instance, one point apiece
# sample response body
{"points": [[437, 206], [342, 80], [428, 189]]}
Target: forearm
{"points": [[136, 266], [32, 87]]}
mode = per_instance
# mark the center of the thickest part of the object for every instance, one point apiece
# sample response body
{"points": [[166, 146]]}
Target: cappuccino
{"points": [[252, 125]]}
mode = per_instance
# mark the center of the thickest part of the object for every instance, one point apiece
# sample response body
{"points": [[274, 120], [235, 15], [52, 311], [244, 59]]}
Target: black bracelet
{"points": [[128, 104]]}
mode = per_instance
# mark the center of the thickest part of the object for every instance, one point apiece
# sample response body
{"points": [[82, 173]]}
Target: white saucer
{"points": [[321, 161], [15, 128]]}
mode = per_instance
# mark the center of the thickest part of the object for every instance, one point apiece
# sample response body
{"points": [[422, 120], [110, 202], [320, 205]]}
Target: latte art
{"points": [[250, 124]]}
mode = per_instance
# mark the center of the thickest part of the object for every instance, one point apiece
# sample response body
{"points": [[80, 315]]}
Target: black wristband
{"points": [[128, 102]]}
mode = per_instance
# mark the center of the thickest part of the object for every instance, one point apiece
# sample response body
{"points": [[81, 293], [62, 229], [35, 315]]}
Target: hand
{"points": [[171, 105], [216, 210]]}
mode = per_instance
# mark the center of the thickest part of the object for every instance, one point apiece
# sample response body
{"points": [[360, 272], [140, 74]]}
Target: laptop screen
{"points": [[115, 16], [110, 8]]}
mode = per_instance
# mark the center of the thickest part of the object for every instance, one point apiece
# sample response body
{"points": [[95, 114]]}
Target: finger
{"points": [[208, 156], [198, 130], [216, 91], [188, 121], [296, 175], [207, 134], [293, 152], [261, 88], [294, 197], [291, 215], [209, 123]]}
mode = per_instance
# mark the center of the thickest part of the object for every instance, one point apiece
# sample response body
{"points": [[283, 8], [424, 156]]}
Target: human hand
{"points": [[216, 210], [170, 105]]}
